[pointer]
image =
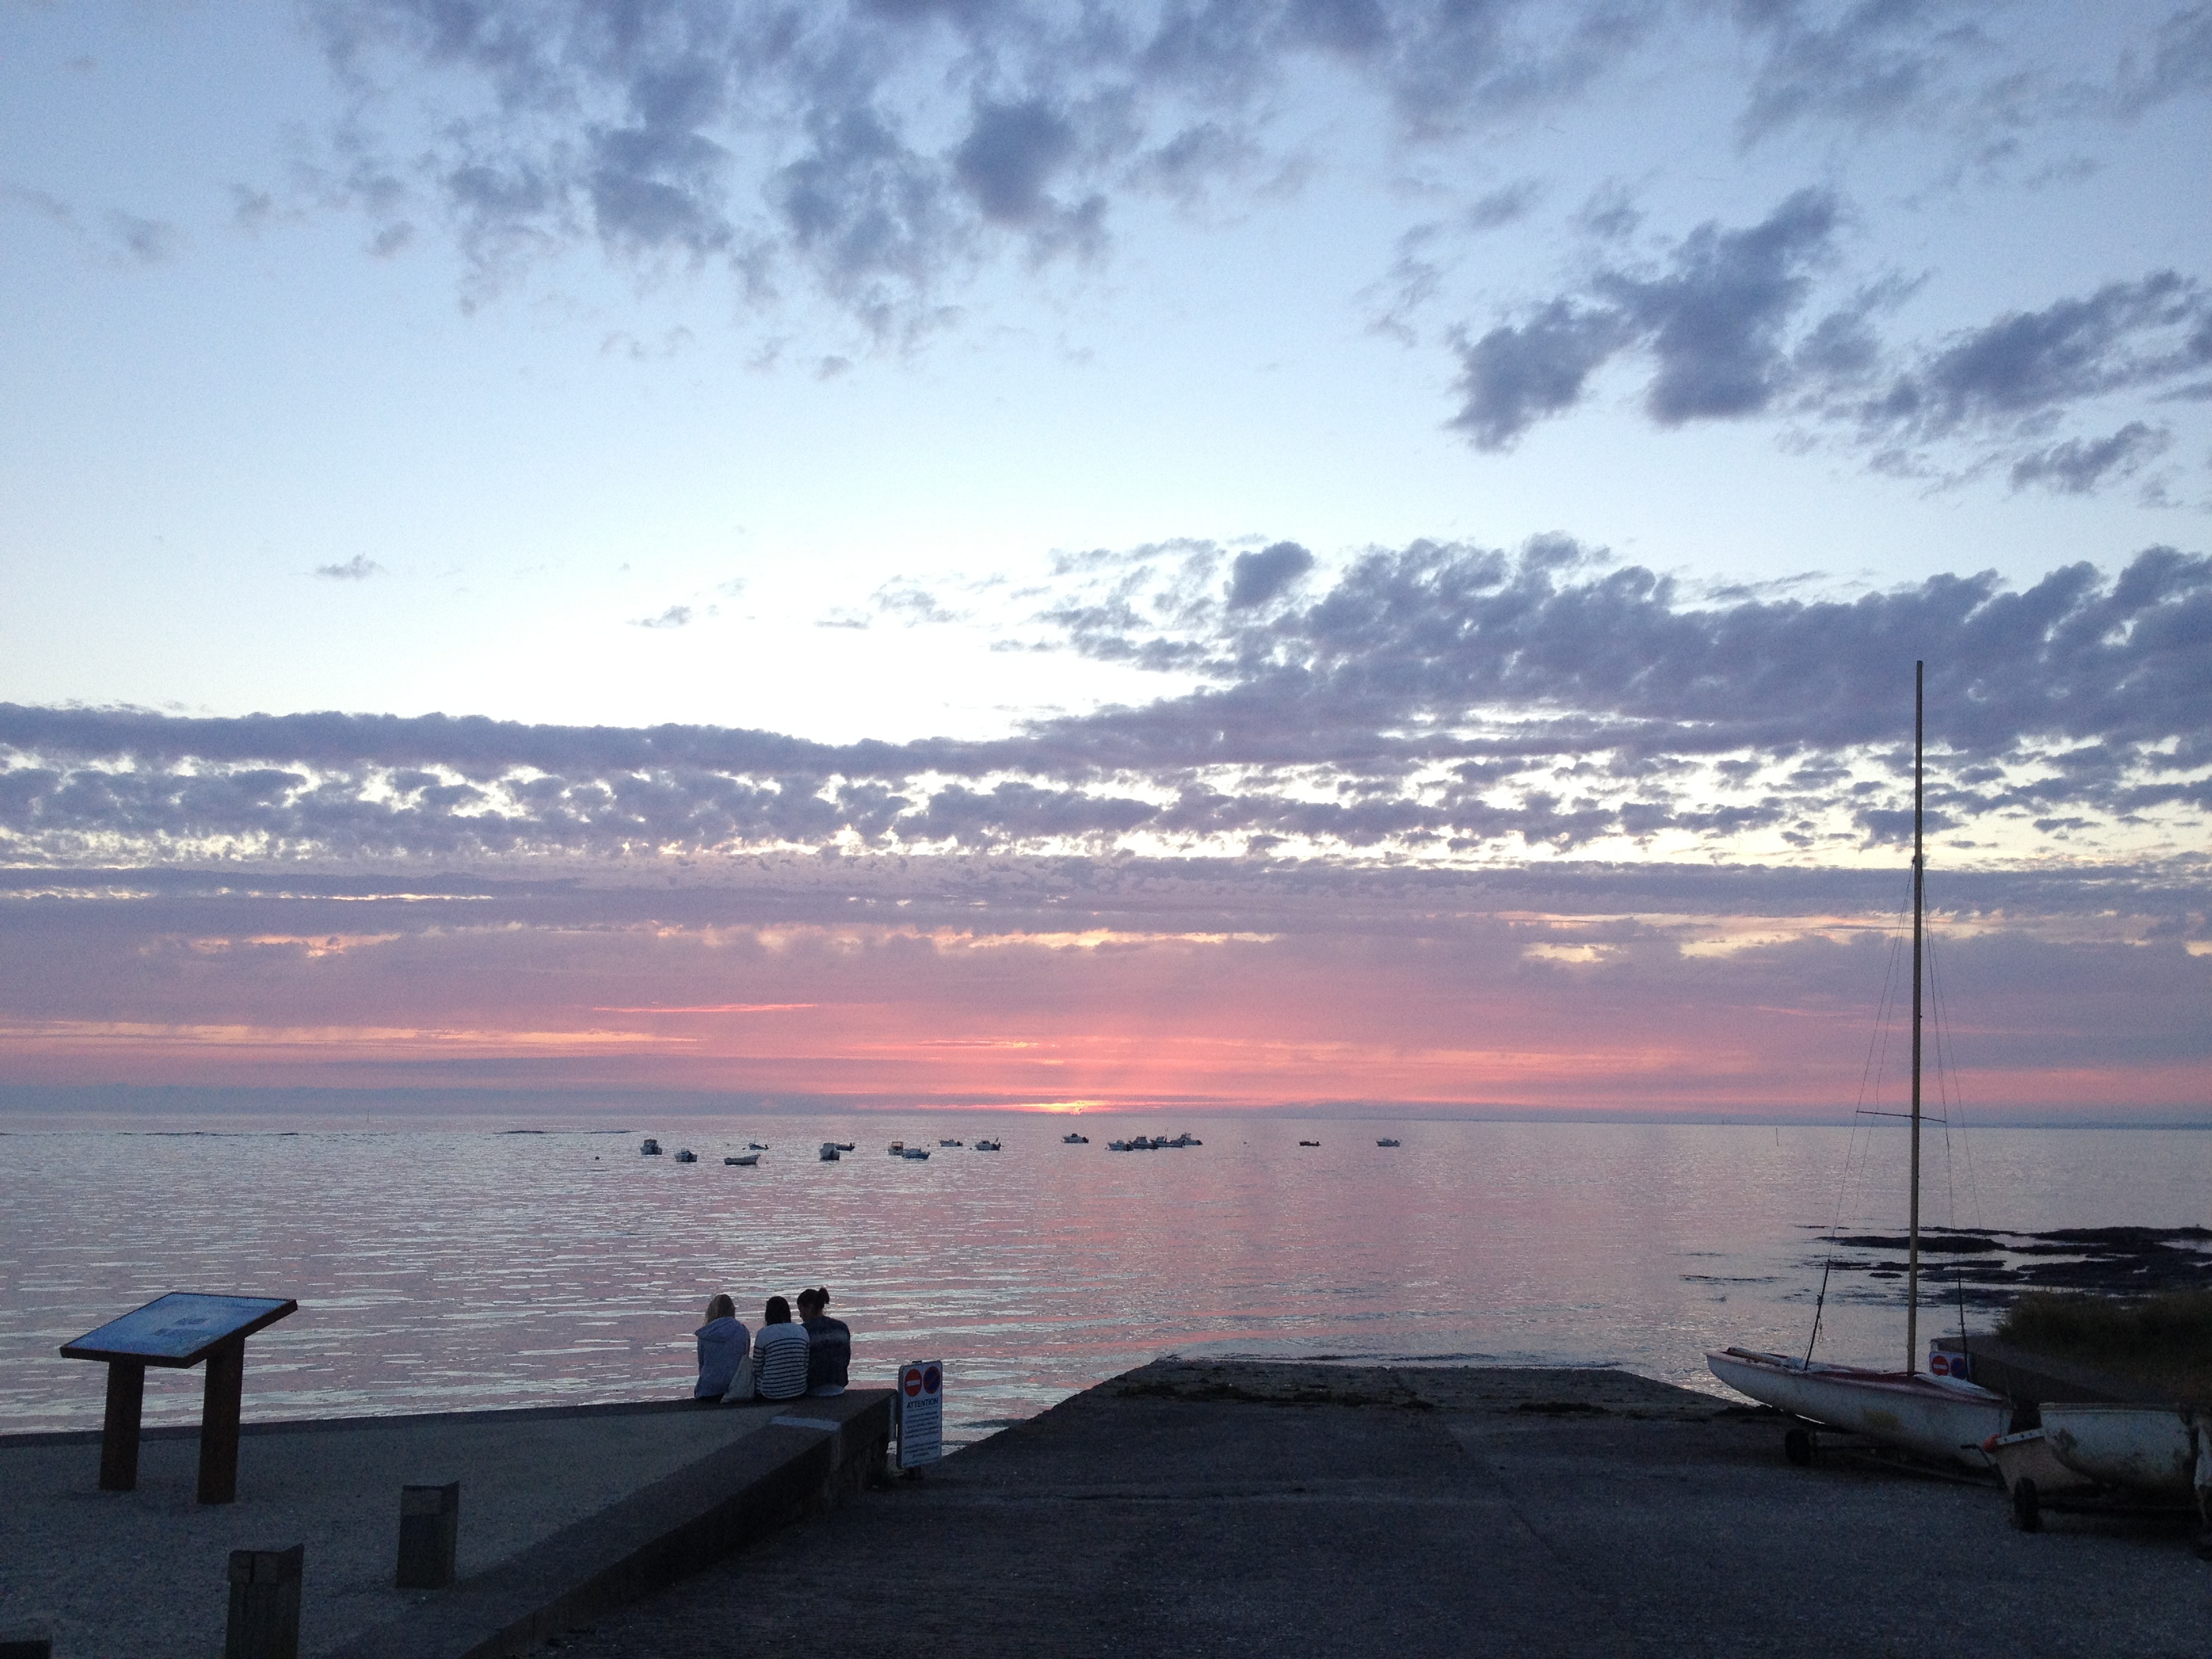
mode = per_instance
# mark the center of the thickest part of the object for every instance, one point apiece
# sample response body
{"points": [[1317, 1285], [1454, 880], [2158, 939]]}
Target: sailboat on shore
{"points": [[1940, 1417]]}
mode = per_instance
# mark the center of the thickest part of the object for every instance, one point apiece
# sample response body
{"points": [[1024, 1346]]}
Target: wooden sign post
{"points": [[178, 1331]]}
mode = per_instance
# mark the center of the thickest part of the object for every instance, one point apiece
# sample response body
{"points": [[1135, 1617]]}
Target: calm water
{"points": [[444, 1270]]}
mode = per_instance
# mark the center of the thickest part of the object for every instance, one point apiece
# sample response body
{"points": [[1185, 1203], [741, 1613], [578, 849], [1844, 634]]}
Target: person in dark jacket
{"points": [[829, 1344]]}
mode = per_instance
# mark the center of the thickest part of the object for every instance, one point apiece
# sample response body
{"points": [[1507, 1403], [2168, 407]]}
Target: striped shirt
{"points": [[780, 1361]]}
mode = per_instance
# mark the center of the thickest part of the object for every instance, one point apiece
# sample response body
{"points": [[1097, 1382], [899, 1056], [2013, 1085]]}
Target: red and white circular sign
{"points": [[910, 1382]]}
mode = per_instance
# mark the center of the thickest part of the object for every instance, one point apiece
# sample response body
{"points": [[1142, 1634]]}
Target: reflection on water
{"points": [[440, 1271]]}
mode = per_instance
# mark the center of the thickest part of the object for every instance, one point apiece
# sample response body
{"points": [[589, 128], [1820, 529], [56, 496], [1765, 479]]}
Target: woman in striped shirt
{"points": [[780, 1353]]}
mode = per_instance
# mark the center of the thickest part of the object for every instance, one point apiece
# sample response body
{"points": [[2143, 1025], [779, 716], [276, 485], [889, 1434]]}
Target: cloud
{"points": [[2080, 465], [1726, 327], [121, 239], [1256, 577], [358, 568], [676, 616], [1436, 702], [875, 152]]}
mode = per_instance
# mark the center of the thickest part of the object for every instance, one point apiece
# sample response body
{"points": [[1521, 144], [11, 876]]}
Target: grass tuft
{"points": [[2163, 1342]]}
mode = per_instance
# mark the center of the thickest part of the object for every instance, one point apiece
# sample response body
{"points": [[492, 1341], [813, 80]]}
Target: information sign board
{"points": [[179, 1328], [920, 1412]]}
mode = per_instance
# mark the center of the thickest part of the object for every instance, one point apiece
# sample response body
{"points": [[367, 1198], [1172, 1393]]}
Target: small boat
{"points": [[830, 1152], [1181, 1141], [951, 1143], [843, 1145], [1075, 1140], [1387, 1141], [745, 1161], [915, 1153], [1932, 1414], [898, 1149], [651, 1148], [2145, 1449], [686, 1155], [1118, 1146], [1309, 1143], [755, 1146], [1941, 1418], [986, 1147]]}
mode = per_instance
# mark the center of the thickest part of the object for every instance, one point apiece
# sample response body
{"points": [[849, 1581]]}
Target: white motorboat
{"points": [[651, 1147], [1075, 1140], [1940, 1417], [950, 1143], [988, 1146]]}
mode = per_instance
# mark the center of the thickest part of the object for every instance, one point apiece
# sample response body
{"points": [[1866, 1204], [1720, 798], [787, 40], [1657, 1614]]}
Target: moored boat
{"points": [[745, 1162], [986, 1146], [830, 1152], [686, 1155], [1074, 1140], [1387, 1141], [651, 1147]]}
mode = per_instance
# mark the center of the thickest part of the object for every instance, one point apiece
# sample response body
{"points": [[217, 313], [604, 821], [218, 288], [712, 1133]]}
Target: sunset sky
{"points": [[1314, 553]]}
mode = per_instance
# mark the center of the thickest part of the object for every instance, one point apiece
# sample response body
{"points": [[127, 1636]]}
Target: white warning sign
{"points": [[920, 1412]]}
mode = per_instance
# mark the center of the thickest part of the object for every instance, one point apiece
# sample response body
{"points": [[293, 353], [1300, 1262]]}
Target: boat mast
{"points": [[1919, 872]]}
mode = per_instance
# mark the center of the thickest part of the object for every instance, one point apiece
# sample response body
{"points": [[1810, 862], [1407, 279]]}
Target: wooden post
{"points": [[119, 1430], [226, 1379], [429, 1529], [265, 1604]]}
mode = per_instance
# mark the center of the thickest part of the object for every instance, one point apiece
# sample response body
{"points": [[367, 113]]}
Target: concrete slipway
{"points": [[1237, 1511]]}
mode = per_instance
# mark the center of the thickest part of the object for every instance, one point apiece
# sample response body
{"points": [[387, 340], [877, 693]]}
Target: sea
{"points": [[530, 1262]]}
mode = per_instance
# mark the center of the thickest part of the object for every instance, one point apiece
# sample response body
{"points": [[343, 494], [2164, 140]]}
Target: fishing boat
{"points": [[898, 1149], [651, 1148], [687, 1156], [755, 1146], [1309, 1143], [986, 1147], [1387, 1141], [745, 1162], [949, 1143], [1075, 1140], [831, 1152], [843, 1145], [915, 1153], [1943, 1417]]}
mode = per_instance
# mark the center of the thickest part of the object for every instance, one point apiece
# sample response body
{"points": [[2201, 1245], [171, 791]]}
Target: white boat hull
{"points": [[1940, 1418], [2150, 1448]]}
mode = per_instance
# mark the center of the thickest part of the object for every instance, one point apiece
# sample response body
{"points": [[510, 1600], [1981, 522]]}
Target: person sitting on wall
{"points": [[829, 1344], [722, 1344], [780, 1353]]}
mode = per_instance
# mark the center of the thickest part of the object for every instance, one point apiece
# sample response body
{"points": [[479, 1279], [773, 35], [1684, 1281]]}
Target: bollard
{"points": [[430, 1527], [26, 1645], [265, 1604]]}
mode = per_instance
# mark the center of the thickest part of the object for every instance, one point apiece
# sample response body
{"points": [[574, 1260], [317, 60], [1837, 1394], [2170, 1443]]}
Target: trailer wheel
{"points": [[2026, 1506], [1797, 1446]]}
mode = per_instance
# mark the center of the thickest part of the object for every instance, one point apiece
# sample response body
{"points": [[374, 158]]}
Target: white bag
{"points": [[743, 1387]]}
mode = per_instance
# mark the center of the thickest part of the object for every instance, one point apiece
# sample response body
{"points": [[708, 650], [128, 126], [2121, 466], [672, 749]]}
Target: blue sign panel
{"points": [[179, 1328]]}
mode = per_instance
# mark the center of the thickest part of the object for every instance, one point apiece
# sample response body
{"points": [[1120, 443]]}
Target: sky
{"points": [[1311, 553]]}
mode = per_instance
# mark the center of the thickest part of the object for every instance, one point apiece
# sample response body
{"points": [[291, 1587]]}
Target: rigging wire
{"points": [[1947, 1093], [1858, 1150]]}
